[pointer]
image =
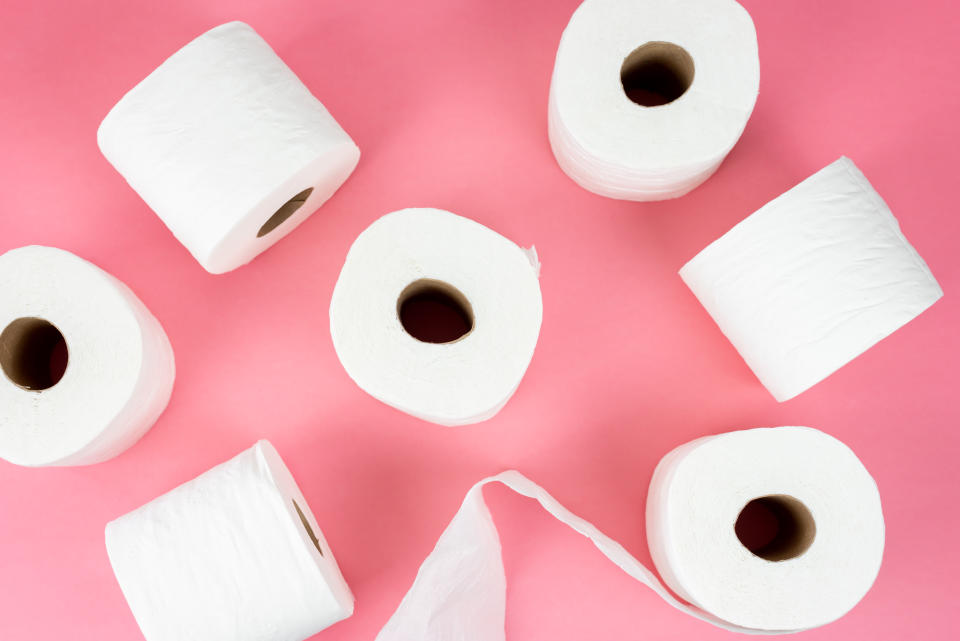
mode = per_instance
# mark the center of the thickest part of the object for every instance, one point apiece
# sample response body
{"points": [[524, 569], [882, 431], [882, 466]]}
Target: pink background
{"points": [[447, 100]]}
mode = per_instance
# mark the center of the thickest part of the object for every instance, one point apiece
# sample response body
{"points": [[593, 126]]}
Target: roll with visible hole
{"points": [[437, 315], [815, 560], [233, 555], [86, 368], [227, 146], [649, 96], [815, 557]]}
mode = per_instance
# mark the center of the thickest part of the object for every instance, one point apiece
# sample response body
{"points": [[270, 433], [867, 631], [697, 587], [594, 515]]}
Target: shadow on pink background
{"points": [[447, 100]]}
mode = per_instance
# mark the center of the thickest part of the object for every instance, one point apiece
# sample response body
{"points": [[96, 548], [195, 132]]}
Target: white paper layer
{"points": [[455, 383], [227, 557], [120, 366], [812, 279], [218, 138], [695, 497], [619, 149]]}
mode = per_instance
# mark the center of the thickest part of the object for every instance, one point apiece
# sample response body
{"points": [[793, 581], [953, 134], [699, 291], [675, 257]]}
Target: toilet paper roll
{"points": [[812, 279], [405, 275], [227, 146], [649, 96], [233, 555], [822, 558], [87, 369]]}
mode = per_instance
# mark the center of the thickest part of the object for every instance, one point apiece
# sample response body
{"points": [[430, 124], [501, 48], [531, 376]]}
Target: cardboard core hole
{"points": [[433, 311], [306, 526], [286, 210], [776, 527], [656, 73], [33, 353]]}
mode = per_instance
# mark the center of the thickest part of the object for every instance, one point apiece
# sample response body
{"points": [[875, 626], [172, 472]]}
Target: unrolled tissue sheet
{"points": [[227, 146], [649, 96], [233, 555], [812, 279], [87, 369], [431, 251], [694, 501]]}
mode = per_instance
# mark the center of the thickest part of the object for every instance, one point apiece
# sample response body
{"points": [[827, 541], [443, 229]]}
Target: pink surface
{"points": [[447, 100]]}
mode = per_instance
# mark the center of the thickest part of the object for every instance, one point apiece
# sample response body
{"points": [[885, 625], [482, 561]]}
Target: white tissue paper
{"points": [[227, 146], [87, 369], [695, 499], [462, 381], [812, 280], [692, 69], [233, 555]]}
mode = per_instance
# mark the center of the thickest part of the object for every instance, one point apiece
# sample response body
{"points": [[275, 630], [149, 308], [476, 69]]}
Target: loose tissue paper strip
{"points": [[460, 590]]}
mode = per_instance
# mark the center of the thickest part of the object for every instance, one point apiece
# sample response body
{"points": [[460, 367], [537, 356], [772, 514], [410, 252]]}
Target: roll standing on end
{"points": [[86, 368], [233, 555], [773, 529], [227, 146], [436, 315], [649, 96], [761, 531]]}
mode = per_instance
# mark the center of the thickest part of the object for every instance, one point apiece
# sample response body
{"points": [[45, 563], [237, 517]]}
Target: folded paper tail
{"points": [[460, 590]]}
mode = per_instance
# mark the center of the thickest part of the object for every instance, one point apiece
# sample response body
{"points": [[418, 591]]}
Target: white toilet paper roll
{"points": [[87, 369], [821, 557], [227, 146], [812, 279], [649, 96], [233, 555], [401, 276]]}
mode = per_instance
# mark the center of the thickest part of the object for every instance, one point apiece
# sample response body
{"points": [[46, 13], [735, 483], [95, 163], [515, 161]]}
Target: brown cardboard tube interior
{"points": [[286, 210], [776, 527], [306, 526], [33, 353], [433, 311], [656, 73]]}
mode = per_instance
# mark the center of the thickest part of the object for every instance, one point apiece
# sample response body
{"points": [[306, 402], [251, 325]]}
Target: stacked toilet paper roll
{"points": [[821, 560], [437, 315], [233, 555], [227, 146], [87, 369], [811, 280], [649, 96]]}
